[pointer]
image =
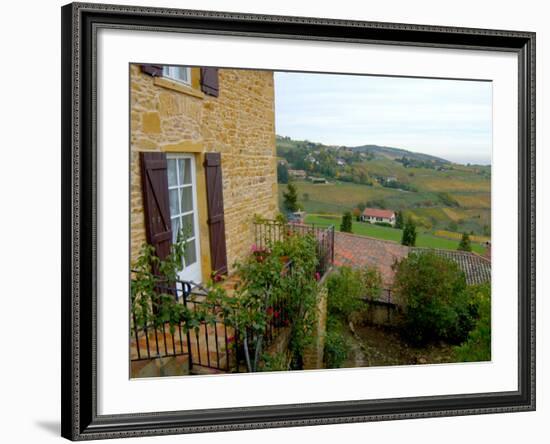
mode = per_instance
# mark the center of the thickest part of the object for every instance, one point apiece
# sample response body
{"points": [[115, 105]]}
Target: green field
{"points": [[424, 206], [391, 234]]}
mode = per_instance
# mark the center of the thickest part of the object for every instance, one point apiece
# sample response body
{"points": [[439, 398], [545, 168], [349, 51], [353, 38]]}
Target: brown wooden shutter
{"points": [[209, 81], [154, 179], [152, 70], [216, 222]]}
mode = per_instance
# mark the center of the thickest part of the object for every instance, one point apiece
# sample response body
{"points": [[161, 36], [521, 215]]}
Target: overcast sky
{"points": [[446, 118]]}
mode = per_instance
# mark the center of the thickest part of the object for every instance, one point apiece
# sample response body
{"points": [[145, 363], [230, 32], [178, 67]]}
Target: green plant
{"points": [[301, 288], [337, 346], [345, 226], [399, 220], [345, 288], [282, 173], [409, 233], [372, 282], [291, 198], [267, 281], [276, 362], [433, 293], [152, 288], [477, 346], [465, 243]]}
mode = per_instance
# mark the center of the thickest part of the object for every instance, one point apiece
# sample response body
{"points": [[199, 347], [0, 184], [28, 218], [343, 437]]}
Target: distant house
{"points": [[297, 174], [373, 215], [340, 162], [318, 180]]}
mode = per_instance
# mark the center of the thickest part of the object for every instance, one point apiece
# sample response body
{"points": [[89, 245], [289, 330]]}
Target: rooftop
{"points": [[376, 212], [360, 251]]}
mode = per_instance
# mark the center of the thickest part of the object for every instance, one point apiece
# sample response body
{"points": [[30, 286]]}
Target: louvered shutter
{"points": [[209, 81], [154, 176], [152, 70], [216, 221]]}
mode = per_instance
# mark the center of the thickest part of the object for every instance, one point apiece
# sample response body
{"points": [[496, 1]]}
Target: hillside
{"points": [[396, 153], [439, 195]]}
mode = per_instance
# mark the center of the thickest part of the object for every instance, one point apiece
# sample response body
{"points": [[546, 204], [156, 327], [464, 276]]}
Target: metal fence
{"points": [[212, 344], [269, 231], [207, 345]]}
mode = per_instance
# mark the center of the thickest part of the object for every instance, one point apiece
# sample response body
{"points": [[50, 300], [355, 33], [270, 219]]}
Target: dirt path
{"points": [[375, 346]]}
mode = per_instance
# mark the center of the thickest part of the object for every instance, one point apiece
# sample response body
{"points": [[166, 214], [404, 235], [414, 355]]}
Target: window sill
{"points": [[177, 86]]}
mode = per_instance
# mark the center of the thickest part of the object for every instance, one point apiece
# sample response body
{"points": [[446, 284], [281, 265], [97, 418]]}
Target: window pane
{"points": [[175, 228], [172, 178], [181, 171], [186, 199], [188, 225], [186, 171], [190, 253], [174, 202], [181, 73]]}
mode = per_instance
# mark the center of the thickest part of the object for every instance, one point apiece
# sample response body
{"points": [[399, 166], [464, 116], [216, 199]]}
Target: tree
{"points": [[282, 173], [357, 214], [409, 233], [399, 220], [345, 226], [291, 198], [435, 299], [305, 197], [465, 243], [361, 206]]}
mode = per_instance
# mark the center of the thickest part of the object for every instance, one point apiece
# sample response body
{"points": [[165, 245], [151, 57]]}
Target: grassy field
{"points": [[392, 234], [424, 206]]}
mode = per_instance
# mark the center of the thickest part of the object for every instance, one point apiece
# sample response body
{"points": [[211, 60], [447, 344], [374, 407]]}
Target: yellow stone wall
{"points": [[239, 124]]}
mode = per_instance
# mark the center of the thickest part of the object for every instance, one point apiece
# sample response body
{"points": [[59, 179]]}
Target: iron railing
{"points": [[269, 231], [207, 345], [212, 345]]}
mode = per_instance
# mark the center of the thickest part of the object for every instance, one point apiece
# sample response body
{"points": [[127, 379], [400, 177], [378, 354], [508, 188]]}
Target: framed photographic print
{"points": [[276, 221]]}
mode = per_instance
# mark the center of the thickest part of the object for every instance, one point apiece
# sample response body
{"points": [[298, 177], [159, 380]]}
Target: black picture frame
{"points": [[79, 386]]}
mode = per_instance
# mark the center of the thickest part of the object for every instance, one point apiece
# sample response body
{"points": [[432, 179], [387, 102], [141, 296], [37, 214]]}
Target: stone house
{"points": [[373, 215], [203, 161]]}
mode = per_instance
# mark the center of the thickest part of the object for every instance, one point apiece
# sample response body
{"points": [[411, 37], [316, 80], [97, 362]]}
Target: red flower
{"points": [[317, 276], [277, 314], [269, 311]]}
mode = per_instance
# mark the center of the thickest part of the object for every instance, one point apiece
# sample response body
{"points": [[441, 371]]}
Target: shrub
{"points": [[275, 362], [345, 287], [282, 173], [477, 346], [435, 298], [384, 224], [465, 243], [399, 220], [345, 226], [372, 282], [409, 233], [337, 346], [290, 197]]}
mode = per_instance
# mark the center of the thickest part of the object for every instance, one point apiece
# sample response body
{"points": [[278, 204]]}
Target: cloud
{"points": [[446, 118]]}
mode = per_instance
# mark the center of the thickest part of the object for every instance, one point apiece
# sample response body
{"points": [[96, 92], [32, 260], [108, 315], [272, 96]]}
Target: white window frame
{"points": [[195, 210], [170, 72]]}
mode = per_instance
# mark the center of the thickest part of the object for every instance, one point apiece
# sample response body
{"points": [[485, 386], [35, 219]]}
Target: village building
{"points": [[374, 215], [203, 161], [203, 166], [297, 174]]}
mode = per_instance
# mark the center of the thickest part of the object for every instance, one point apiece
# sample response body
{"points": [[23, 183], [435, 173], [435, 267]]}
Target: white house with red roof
{"points": [[374, 215]]}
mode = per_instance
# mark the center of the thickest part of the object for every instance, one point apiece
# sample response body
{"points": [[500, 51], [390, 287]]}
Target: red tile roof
{"points": [[375, 212]]}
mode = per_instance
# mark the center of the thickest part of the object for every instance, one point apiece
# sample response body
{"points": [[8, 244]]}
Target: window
{"points": [[183, 211], [180, 74]]}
